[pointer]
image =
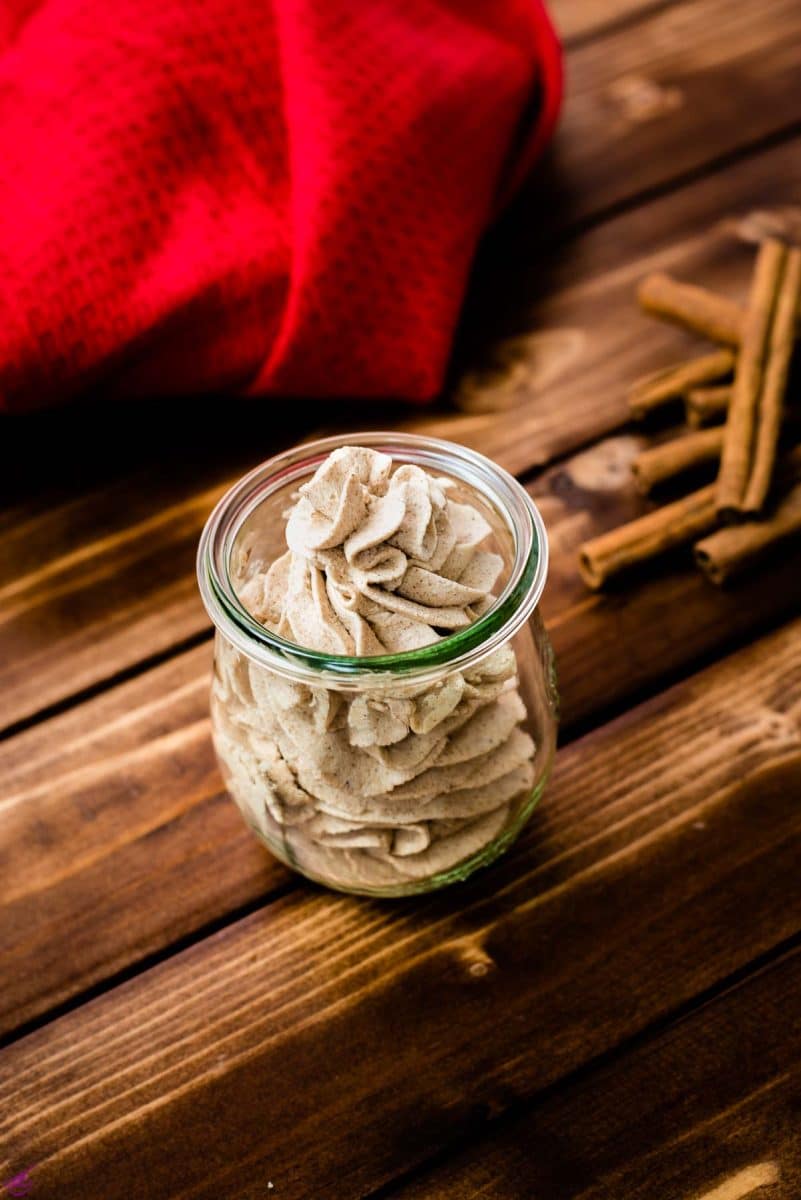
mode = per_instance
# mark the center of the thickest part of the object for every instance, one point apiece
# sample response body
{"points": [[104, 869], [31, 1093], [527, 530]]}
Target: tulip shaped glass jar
{"points": [[384, 705]]}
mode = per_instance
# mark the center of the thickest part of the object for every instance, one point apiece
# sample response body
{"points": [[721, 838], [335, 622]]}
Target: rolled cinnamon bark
{"points": [[656, 532], [705, 404], [715, 317], [662, 462], [674, 381], [738, 444], [771, 400], [730, 551]]}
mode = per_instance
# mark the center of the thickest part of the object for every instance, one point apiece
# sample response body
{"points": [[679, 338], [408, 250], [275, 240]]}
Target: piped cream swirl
{"points": [[378, 562], [381, 787]]}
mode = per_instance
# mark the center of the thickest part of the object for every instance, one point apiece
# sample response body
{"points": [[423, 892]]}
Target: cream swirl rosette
{"points": [[375, 788]]}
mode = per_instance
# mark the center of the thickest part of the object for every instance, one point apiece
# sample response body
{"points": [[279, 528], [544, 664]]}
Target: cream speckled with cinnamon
{"points": [[374, 789]]}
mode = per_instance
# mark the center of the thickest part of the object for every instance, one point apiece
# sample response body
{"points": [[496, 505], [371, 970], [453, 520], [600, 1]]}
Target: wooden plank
{"points": [[115, 826], [688, 84], [121, 585], [712, 1103], [93, 585], [89, 572], [658, 621], [580, 341], [116, 806], [326, 1044], [94, 581], [580, 20]]}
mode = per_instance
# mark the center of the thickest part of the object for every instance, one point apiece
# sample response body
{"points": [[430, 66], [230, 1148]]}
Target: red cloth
{"points": [[250, 195]]}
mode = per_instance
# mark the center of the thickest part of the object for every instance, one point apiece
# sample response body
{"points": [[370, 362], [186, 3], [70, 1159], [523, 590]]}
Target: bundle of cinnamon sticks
{"points": [[756, 501]]}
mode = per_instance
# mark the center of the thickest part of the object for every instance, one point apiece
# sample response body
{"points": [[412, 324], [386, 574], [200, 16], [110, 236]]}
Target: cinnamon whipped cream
{"points": [[386, 786]]}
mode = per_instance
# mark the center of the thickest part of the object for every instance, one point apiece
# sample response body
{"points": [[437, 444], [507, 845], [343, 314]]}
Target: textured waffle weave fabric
{"points": [[257, 196]]}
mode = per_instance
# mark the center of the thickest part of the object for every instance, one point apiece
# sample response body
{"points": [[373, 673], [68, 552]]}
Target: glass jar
{"points": [[392, 774]]}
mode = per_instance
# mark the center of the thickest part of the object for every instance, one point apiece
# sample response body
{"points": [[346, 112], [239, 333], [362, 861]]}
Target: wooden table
{"points": [[611, 1011]]}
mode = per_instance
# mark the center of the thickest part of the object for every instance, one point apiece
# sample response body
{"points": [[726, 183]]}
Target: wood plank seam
{"points": [[675, 183], [563, 628], [744, 975], [776, 738], [569, 734], [765, 1161], [118, 679], [146, 963], [615, 25], [668, 65]]}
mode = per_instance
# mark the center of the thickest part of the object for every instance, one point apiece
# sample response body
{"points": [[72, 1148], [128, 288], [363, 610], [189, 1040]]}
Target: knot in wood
{"points": [[472, 956]]}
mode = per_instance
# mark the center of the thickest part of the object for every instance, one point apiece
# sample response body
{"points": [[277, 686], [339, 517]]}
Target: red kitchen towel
{"points": [[260, 196]]}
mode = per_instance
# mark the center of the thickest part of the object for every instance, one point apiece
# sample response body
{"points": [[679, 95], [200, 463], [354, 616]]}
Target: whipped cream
{"points": [[383, 787]]}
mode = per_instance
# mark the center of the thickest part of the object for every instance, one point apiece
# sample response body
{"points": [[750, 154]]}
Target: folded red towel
{"points": [[254, 196]]}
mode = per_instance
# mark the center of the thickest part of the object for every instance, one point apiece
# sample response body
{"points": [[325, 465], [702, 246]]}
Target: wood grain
{"points": [[586, 341], [120, 587], [94, 580], [321, 1046], [95, 583], [115, 825], [583, 19], [116, 807], [711, 1103], [327, 1044], [657, 621], [669, 92], [94, 589]]}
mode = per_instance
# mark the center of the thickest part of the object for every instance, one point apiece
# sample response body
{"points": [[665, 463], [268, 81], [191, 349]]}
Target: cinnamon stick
{"points": [[730, 551], [715, 317], [658, 531], [704, 404], [670, 382], [737, 457], [658, 463], [771, 401]]}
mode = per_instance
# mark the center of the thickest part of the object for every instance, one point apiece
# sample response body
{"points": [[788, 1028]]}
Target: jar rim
{"points": [[458, 650]]}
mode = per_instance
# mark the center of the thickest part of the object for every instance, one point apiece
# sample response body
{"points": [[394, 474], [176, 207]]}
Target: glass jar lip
{"points": [[459, 650]]}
